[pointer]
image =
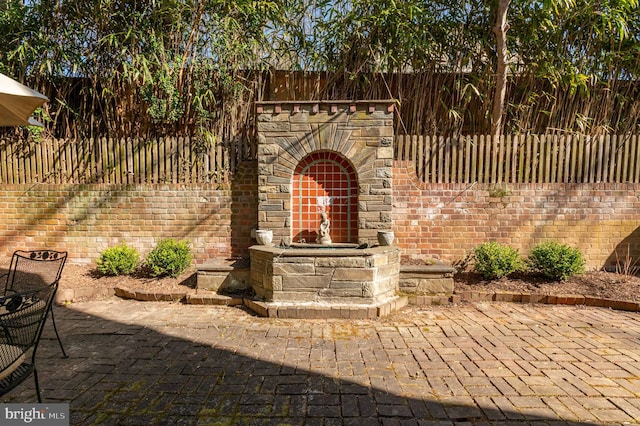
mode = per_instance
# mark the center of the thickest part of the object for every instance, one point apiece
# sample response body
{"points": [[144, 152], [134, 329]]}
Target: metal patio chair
{"points": [[22, 318], [30, 270]]}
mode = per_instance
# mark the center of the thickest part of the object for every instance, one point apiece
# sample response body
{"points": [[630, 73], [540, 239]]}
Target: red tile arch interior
{"points": [[324, 181]]}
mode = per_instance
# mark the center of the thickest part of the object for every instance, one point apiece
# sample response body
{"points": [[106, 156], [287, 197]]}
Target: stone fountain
{"points": [[322, 164]]}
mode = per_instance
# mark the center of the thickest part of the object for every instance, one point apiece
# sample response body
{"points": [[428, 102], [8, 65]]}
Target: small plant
{"points": [[118, 260], [628, 265], [556, 261], [169, 257], [499, 192], [494, 260]]}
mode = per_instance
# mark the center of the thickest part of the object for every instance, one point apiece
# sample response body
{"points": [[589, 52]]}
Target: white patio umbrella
{"points": [[17, 103]]}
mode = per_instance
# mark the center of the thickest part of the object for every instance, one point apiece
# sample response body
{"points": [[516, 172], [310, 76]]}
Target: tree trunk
{"points": [[500, 30]]}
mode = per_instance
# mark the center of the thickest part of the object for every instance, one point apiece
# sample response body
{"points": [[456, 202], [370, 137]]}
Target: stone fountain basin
{"points": [[329, 275]]}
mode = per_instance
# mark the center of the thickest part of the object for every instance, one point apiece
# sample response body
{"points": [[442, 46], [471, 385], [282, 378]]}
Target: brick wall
{"points": [[447, 220], [440, 220], [86, 219]]}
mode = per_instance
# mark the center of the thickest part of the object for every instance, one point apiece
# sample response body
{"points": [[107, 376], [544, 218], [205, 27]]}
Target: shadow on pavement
{"points": [[173, 364]]}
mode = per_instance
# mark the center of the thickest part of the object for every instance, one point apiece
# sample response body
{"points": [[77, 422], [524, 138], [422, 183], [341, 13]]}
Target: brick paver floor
{"points": [[484, 363]]}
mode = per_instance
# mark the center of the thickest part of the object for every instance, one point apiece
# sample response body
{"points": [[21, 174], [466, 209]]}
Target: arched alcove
{"points": [[336, 155], [324, 181]]}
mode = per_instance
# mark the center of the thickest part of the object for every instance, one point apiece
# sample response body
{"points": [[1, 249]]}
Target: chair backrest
{"points": [[22, 317], [30, 270]]}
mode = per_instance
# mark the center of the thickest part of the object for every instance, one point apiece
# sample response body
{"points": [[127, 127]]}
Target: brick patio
{"points": [[474, 363]]}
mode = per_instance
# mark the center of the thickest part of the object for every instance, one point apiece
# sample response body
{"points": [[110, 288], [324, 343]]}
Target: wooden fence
{"points": [[130, 161], [511, 159], [522, 159]]}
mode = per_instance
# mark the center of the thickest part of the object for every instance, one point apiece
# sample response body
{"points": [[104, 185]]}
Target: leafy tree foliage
{"points": [[159, 67]]}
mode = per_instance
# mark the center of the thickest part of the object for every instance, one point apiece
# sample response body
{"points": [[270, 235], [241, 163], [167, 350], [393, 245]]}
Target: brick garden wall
{"points": [[440, 220], [447, 220], [86, 219]]}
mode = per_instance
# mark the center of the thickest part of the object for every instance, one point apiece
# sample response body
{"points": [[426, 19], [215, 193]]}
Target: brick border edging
{"points": [[515, 297], [201, 297]]}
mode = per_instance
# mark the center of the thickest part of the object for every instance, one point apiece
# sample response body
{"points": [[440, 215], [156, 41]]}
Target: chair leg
{"points": [[35, 377], [53, 320]]}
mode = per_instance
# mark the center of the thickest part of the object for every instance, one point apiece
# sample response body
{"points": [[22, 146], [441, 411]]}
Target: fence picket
{"points": [[3, 162], [419, 141], [508, 162], [467, 159], [514, 159], [446, 157], [634, 154], [480, 170], [606, 159], [11, 165], [474, 158], [458, 159], [521, 159], [617, 143], [406, 150], [624, 159], [497, 159], [40, 162], [554, 155]]}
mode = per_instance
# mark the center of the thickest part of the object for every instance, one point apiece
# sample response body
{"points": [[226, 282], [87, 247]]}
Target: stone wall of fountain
{"points": [[349, 148], [325, 275], [360, 132]]}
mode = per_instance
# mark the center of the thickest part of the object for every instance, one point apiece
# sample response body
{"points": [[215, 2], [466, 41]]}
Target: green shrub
{"points": [[169, 257], [494, 260], [556, 261], [118, 260]]}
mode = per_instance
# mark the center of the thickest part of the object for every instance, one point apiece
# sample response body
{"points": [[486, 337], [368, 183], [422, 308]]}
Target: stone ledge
{"points": [[215, 275], [435, 269], [426, 280], [317, 311], [212, 298]]}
